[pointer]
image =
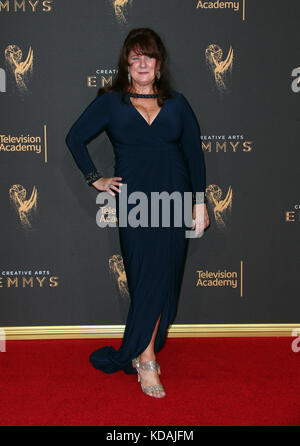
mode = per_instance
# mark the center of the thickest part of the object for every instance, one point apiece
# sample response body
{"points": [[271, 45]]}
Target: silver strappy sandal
{"points": [[148, 365]]}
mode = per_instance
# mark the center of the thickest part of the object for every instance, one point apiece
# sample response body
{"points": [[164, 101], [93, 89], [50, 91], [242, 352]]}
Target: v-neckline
{"points": [[140, 114]]}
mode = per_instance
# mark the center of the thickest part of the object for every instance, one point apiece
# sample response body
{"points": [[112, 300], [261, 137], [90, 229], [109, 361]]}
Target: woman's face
{"points": [[142, 68]]}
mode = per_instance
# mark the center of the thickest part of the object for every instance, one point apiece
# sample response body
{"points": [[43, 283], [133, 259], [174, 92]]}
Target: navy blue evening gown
{"points": [[164, 156]]}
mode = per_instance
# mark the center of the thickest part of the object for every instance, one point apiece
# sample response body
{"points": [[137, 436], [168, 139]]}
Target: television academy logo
{"points": [[226, 277]]}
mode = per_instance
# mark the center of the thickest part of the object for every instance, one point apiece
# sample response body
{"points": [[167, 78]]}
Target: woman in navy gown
{"points": [[157, 146]]}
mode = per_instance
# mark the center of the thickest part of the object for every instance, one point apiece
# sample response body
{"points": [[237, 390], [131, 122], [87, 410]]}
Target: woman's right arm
{"points": [[92, 121]]}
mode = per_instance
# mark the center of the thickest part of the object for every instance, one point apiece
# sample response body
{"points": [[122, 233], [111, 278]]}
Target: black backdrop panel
{"points": [[57, 266]]}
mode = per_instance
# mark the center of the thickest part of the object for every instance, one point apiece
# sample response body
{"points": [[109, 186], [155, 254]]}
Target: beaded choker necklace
{"points": [[139, 95]]}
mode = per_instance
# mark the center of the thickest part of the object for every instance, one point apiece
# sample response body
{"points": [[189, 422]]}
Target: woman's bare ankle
{"points": [[145, 357]]}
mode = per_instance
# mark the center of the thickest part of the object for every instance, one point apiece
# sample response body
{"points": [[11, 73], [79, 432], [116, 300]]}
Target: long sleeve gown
{"points": [[164, 156]]}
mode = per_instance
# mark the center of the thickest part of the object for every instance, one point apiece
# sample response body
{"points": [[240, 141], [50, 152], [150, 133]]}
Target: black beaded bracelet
{"points": [[92, 177]]}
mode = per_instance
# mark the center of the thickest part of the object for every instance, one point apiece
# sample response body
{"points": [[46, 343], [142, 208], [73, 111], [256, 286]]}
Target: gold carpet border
{"points": [[177, 330]]}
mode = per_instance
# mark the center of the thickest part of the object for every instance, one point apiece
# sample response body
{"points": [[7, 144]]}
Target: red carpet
{"points": [[208, 381]]}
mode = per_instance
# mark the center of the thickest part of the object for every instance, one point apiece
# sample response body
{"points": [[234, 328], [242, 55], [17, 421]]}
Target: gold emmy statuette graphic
{"points": [[119, 7], [20, 70], [17, 194], [220, 207], [116, 268], [219, 68]]}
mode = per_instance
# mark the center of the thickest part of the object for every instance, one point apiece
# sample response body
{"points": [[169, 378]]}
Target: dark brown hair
{"points": [[143, 41]]}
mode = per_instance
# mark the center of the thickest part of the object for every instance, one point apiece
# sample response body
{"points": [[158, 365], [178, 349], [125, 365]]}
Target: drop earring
{"points": [[158, 74], [129, 77]]}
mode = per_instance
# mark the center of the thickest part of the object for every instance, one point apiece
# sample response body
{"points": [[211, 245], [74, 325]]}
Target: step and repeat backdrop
{"points": [[238, 64]]}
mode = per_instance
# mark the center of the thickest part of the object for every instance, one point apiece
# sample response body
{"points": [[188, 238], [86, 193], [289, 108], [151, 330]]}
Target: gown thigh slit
{"points": [[165, 156]]}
